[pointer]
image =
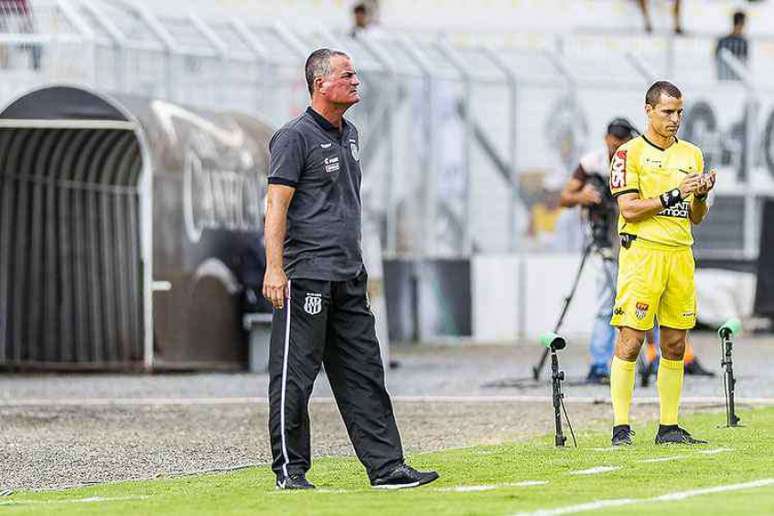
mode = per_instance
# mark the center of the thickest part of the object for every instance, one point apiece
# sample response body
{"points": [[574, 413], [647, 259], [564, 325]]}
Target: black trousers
{"points": [[329, 323]]}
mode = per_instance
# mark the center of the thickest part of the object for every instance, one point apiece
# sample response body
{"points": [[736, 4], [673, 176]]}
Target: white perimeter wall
{"points": [[521, 295]]}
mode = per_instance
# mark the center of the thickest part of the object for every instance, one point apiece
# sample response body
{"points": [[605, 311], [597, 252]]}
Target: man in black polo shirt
{"points": [[316, 282]]}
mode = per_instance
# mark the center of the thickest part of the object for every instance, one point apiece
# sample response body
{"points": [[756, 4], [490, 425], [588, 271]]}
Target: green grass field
{"points": [[501, 479]]}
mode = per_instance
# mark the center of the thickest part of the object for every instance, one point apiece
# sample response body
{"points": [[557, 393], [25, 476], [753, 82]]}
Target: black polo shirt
{"points": [[323, 221]]}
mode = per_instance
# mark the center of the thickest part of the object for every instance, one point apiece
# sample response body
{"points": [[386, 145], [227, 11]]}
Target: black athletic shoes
{"points": [[667, 434], [295, 481], [622, 434], [673, 434], [402, 477]]}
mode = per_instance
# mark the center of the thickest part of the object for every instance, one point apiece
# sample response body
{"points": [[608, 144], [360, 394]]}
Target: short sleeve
{"points": [[624, 173], [287, 155]]}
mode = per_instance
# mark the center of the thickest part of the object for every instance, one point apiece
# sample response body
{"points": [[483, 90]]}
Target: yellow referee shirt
{"points": [[641, 166]]}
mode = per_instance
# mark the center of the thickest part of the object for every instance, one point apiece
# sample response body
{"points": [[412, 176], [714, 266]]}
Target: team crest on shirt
{"points": [[313, 303], [354, 150], [641, 310], [618, 170]]}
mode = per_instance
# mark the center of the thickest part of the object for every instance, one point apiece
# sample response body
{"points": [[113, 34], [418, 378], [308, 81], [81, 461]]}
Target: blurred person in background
{"points": [[316, 281], [736, 43], [16, 16], [364, 19], [645, 9], [586, 187]]}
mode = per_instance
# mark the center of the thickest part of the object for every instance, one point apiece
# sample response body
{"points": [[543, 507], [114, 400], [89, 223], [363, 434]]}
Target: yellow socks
{"points": [[622, 388], [670, 386]]}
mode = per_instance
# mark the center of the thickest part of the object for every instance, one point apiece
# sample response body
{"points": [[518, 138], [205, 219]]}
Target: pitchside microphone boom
{"points": [[730, 328], [553, 343]]}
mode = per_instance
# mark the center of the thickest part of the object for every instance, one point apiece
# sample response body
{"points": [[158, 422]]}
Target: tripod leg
{"points": [[538, 368], [575, 283]]}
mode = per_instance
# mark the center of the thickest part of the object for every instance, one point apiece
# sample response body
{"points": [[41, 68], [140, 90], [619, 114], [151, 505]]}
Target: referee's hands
{"points": [[689, 184], [707, 182], [275, 286]]}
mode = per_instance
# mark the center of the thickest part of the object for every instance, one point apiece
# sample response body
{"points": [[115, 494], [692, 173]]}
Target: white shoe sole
{"points": [[396, 486]]}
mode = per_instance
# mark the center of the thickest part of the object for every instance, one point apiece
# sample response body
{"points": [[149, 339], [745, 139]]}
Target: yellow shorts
{"points": [[654, 281]]}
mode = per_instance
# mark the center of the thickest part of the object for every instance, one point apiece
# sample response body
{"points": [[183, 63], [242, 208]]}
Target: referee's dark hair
{"points": [[318, 64], [654, 92], [739, 18]]}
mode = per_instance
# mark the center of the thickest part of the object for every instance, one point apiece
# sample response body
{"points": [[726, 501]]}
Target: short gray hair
{"points": [[318, 64]]}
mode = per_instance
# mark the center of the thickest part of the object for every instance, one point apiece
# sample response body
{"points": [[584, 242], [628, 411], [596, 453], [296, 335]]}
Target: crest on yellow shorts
{"points": [[640, 310]]}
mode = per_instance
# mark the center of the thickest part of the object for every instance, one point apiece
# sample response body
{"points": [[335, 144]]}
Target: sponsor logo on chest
{"points": [[331, 164]]}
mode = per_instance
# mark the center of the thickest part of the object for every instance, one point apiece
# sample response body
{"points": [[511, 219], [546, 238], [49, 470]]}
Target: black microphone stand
{"points": [[729, 382]]}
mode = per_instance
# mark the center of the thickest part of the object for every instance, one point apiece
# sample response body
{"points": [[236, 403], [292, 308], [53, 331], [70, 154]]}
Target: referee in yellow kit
{"points": [[661, 189]]}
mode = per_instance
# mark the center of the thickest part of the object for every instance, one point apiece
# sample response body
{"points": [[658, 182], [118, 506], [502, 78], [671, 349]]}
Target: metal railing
{"points": [[458, 131]]}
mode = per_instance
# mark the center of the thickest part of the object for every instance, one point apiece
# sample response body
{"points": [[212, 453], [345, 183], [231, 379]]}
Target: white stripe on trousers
{"points": [[284, 384]]}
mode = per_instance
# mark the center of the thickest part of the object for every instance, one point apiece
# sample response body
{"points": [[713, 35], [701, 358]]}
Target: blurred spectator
{"points": [[16, 16], [644, 7], [736, 43], [361, 19], [364, 16]]}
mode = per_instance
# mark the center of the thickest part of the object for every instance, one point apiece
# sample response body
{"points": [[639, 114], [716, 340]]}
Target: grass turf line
{"points": [[343, 489]]}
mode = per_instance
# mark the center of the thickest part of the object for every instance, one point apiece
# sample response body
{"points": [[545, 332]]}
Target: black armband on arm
{"points": [[671, 197]]}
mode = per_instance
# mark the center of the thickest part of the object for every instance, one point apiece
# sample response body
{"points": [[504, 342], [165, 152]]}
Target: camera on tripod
{"points": [[602, 216]]}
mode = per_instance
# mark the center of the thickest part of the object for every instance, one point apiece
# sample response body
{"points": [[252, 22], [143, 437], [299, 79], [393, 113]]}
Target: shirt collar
{"points": [[324, 123], [656, 146]]}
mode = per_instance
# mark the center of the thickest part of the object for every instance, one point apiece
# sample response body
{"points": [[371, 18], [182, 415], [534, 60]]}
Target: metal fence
{"points": [[462, 133]]}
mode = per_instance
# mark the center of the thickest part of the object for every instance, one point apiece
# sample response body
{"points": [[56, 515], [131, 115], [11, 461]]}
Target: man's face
{"points": [[340, 86], [361, 19], [613, 142], [665, 117]]}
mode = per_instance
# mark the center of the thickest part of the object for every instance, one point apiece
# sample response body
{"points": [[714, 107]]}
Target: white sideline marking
{"points": [[669, 497], [467, 489], [715, 451], [591, 506], [473, 489], [664, 459], [595, 470], [253, 400], [609, 448], [92, 499]]}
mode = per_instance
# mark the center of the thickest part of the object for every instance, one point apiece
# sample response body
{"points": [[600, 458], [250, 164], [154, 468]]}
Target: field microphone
{"points": [[727, 330], [730, 328], [553, 343]]}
